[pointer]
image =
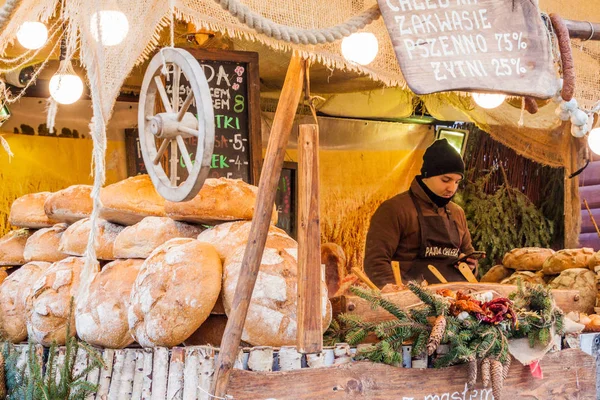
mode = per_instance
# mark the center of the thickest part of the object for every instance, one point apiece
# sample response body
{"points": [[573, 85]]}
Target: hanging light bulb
{"points": [[594, 140], [65, 86], [113, 26], [360, 48], [488, 100], [32, 35]]}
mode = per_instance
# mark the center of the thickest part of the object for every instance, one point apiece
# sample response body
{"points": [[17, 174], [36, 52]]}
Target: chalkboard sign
{"points": [[485, 45], [234, 85], [286, 200]]}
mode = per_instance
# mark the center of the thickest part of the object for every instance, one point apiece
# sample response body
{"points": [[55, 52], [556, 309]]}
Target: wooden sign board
{"points": [[471, 45]]}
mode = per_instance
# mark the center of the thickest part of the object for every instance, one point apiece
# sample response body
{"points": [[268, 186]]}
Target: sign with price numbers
{"points": [[471, 45]]}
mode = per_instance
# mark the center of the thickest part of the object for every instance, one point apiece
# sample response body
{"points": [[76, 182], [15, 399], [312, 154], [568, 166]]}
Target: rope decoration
{"points": [[7, 11], [298, 35]]}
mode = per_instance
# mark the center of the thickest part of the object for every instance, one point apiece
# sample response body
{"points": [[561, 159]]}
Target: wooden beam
{"points": [[278, 140], [583, 29], [568, 374], [310, 316]]}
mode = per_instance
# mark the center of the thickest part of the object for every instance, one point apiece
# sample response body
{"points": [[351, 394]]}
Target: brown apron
{"points": [[439, 247]]}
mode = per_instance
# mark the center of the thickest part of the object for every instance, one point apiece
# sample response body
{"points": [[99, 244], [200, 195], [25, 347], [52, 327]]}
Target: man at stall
{"points": [[422, 226]]}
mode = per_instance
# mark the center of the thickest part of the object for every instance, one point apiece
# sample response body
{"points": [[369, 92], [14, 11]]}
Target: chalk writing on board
{"points": [[466, 394]]}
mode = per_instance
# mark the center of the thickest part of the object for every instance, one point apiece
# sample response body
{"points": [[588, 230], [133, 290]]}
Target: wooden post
{"points": [[269, 178], [310, 318]]}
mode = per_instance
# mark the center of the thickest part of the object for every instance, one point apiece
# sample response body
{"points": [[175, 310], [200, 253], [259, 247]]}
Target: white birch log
{"points": [[115, 380], [93, 377], [341, 353], [105, 374], [138, 376], [81, 362], [190, 374], [175, 384], [261, 358], [126, 386], [160, 370], [22, 365], [315, 360], [60, 362], [147, 383], [239, 360], [206, 370], [289, 358], [329, 356]]}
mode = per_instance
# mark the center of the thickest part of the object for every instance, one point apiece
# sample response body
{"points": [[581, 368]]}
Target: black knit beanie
{"points": [[441, 158]]}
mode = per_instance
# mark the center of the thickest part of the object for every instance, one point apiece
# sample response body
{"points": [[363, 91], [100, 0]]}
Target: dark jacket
{"points": [[394, 232]]}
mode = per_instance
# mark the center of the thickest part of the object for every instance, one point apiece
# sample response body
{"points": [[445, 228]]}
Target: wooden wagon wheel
{"points": [[176, 124]]}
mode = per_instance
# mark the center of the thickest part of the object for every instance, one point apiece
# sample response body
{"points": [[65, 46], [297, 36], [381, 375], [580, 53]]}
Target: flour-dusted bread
{"points": [[139, 240], [28, 211], [13, 300], [581, 279], [174, 292], [271, 319], [12, 247], [43, 245], [102, 317], [566, 259], [228, 236], [48, 304], [74, 240], [219, 200], [592, 263], [129, 201], [497, 274], [70, 205], [527, 258], [536, 278]]}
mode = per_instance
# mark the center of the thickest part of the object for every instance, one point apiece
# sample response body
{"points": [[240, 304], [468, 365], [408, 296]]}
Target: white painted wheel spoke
{"points": [[161, 150], [163, 94], [185, 106], [176, 75], [174, 163], [184, 153], [189, 131]]}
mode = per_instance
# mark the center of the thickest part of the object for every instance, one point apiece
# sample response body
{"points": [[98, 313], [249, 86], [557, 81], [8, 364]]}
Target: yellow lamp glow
{"points": [[114, 27], [488, 100], [65, 86], [32, 35], [594, 140], [360, 48]]}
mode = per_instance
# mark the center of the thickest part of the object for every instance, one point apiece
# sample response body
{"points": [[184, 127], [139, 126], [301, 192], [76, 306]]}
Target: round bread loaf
{"points": [[70, 205], [174, 292], [525, 276], [527, 258], [127, 202], [43, 245], [139, 240], [581, 279], [28, 211], [592, 263], [228, 236], [271, 319], [566, 259], [12, 247], [48, 305], [219, 200], [13, 300], [102, 318], [496, 274], [74, 240]]}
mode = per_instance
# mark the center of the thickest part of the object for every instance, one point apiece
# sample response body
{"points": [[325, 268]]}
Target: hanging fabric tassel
{"points": [[6, 147], [522, 117], [51, 110]]}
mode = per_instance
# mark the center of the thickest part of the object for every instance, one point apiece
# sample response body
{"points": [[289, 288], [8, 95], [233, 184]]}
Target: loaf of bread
{"points": [[219, 200], [13, 300], [74, 240], [12, 247], [127, 202], [581, 279], [271, 319], [28, 211], [70, 205], [536, 278], [48, 304], [228, 236], [496, 274], [174, 292], [334, 259], [594, 261], [566, 259], [139, 240], [102, 317], [527, 258], [43, 245]]}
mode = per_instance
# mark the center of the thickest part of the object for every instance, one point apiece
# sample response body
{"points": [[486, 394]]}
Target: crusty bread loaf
{"points": [[527, 258], [139, 240], [219, 200], [12, 247], [594, 261], [271, 319], [536, 278], [28, 211], [334, 259], [566, 259], [228, 236], [70, 205], [48, 305], [43, 245], [13, 300], [127, 202], [496, 274], [174, 292], [581, 279], [102, 317], [74, 240]]}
